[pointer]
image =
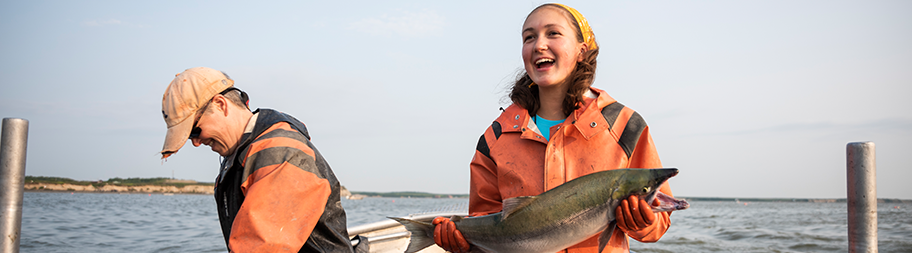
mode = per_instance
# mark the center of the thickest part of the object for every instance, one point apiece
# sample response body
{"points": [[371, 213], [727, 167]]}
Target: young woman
{"points": [[557, 129]]}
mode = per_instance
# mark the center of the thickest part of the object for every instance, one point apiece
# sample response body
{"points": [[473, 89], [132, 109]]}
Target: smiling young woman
{"points": [[559, 62], [560, 128]]}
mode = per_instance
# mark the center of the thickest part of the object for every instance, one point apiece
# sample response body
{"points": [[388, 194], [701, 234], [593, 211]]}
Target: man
{"points": [[275, 192]]}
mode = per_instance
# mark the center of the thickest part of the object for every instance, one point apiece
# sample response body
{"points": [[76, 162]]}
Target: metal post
{"points": [[862, 196], [12, 178]]}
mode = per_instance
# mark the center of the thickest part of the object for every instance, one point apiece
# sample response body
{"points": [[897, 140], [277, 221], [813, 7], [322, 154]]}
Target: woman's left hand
{"points": [[634, 214]]}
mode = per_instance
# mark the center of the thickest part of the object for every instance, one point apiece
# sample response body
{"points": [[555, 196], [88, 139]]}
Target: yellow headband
{"points": [[588, 35]]}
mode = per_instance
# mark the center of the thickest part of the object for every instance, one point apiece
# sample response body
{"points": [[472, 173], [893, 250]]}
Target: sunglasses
{"points": [[195, 133]]}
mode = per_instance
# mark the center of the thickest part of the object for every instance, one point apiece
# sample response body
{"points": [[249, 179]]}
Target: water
{"points": [[88, 222], [776, 227], [92, 222]]}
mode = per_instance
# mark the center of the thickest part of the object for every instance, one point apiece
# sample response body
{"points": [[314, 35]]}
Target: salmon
{"points": [[558, 218]]}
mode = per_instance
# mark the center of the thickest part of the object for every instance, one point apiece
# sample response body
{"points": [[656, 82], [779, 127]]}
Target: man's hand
{"points": [[634, 214], [447, 237]]}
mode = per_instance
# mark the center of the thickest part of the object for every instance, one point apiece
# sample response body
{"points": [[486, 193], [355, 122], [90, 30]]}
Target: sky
{"points": [[747, 98]]}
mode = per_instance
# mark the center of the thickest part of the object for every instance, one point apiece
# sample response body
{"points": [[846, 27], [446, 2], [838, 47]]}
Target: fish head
{"points": [[644, 183]]}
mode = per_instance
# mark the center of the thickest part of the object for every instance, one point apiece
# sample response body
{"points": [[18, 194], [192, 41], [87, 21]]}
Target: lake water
{"points": [[90, 222]]}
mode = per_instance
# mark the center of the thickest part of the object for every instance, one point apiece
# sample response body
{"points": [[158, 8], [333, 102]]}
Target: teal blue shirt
{"points": [[545, 125]]}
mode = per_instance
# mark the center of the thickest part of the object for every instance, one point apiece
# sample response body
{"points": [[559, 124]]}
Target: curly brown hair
{"points": [[580, 79]]}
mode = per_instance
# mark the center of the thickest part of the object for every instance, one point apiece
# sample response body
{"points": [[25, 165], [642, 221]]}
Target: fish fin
{"points": [[422, 234], [512, 205], [606, 235]]}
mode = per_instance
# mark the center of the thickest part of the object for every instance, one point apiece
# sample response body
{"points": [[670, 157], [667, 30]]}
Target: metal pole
{"points": [[12, 178], [862, 196]]}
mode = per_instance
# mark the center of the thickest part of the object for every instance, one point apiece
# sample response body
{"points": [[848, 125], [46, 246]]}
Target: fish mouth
{"points": [[666, 203], [661, 176], [669, 203]]}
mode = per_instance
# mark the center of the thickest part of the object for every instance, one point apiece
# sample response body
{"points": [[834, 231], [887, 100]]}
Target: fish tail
{"points": [[422, 234]]}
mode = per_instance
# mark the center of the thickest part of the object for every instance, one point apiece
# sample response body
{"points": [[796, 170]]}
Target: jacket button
{"points": [[515, 126], [517, 117], [593, 124]]}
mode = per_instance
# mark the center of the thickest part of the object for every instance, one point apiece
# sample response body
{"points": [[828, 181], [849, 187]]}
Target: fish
{"points": [[558, 218]]}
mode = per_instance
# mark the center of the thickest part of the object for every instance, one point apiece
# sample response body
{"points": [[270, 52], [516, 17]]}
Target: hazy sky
{"points": [[746, 98]]}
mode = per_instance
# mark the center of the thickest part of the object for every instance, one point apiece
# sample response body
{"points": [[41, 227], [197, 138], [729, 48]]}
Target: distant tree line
{"points": [[54, 180], [138, 181], [133, 181]]}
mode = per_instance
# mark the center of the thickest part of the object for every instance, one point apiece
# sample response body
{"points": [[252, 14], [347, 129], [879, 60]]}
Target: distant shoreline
{"points": [[109, 188], [153, 189], [359, 195], [808, 200], [174, 186], [100, 192]]}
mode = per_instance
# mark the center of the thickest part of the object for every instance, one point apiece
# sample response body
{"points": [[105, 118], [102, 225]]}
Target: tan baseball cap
{"points": [[189, 91]]}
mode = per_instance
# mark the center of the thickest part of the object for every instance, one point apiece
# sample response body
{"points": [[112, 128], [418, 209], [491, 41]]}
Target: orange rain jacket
{"points": [[513, 159], [276, 193]]}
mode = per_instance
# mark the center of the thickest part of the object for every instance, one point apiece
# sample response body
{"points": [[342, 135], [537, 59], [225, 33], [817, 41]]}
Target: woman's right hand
{"points": [[634, 214], [447, 237]]}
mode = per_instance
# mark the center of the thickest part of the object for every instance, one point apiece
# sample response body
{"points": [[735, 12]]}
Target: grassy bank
{"points": [[119, 185]]}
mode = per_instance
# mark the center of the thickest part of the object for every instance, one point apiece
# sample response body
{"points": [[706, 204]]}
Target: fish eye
{"points": [[646, 189]]}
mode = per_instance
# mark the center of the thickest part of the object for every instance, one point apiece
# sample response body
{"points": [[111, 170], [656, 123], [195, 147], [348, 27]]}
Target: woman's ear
{"points": [[583, 49]]}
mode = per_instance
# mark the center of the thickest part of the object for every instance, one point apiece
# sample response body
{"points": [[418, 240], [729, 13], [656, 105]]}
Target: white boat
{"points": [[389, 236]]}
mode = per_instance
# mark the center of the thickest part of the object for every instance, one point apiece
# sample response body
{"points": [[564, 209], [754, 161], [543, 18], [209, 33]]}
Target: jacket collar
{"points": [[517, 119], [588, 119], [268, 117], [260, 122]]}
